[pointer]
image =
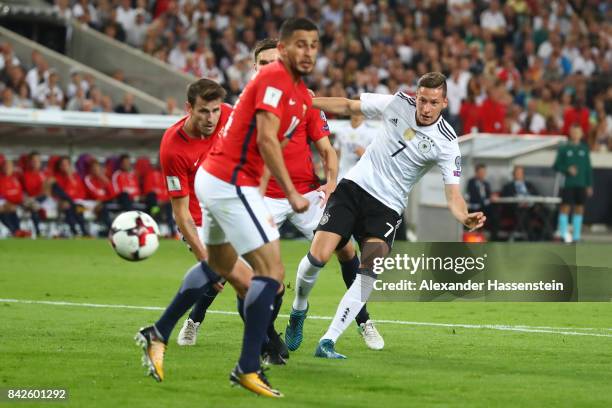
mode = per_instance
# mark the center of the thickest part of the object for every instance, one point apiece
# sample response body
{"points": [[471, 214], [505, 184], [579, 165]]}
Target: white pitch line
{"points": [[525, 329]]}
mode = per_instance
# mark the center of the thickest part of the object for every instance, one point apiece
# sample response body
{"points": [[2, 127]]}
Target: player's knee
{"points": [[319, 256]]}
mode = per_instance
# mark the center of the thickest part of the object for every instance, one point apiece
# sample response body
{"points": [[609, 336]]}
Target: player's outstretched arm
{"points": [[337, 106], [458, 207], [180, 208], [270, 149], [330, 162]]}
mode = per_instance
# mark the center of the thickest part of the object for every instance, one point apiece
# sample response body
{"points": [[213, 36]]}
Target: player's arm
{"points": [[186, 224], [337, 106], [270, 149], [330, 163], [265, 177], [458, 207]]}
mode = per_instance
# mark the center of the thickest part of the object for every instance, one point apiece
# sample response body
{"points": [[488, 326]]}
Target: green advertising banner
{"points": [[519, 272]]}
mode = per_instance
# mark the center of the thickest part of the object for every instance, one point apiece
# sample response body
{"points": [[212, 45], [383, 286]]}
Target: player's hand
{"points": [[219, 285], [326, 189], [473, 221], [298, 202], [572, 170], [589, 191]]}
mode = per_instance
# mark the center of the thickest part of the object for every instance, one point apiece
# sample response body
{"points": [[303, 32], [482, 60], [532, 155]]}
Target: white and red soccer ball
{"points": [[134, 235]]}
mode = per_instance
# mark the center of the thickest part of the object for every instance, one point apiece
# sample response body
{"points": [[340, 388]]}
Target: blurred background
{"points": [[88, 88]]}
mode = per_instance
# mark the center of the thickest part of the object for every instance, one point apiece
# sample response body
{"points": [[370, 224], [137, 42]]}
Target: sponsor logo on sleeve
{"points": [[173, 183], [272, 96]]}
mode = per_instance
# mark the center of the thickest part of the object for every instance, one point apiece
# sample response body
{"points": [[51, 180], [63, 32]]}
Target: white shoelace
{"points": [[370, 332], [191, 330]]}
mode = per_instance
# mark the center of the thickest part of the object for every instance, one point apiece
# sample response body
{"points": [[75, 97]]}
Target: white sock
{"points": [[307, 273], [350, 305]]}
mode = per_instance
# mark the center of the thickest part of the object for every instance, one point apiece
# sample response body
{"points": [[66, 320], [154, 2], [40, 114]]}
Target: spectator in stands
{"points": [[178, 56], [69, 190], [62, 9], [157, 200], [531, 121], [127, 106], [493, 112], [106, 104], [86, 13], [24, 99], [8, 98], [125, 184], [578, 113], [11, 197], [573, 161], [38, 74], [126, 15], [49, 94], [99, 188], [171, 108], [602, 134], [136, 33], [480, 198], [7, 56]]}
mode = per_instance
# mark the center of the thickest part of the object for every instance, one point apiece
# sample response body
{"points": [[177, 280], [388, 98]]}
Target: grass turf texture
{"points": [[90, 350]]}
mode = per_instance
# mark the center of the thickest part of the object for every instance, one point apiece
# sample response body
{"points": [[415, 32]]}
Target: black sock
{"points": [[349, 273], [198, 312], [15, 220], [258, 304], [195, 284], [278, 302], [240, 307], [6, 220]]}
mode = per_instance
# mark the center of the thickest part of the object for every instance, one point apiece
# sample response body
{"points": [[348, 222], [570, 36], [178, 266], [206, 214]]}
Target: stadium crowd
{"points": [[76, 193], [514, 66]]}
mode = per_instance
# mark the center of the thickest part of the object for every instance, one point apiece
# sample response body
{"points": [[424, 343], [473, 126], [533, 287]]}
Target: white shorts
{"points": [[305, 222], [233, 214]]}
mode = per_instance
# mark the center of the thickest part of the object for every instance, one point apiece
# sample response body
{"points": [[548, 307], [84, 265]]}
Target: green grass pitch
{"points": [[90, 351]]}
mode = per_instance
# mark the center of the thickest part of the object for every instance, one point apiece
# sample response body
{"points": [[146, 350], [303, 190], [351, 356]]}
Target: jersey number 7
{"points": [[404, 145]]}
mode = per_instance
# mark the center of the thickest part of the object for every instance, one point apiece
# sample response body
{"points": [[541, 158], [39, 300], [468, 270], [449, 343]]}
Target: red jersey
{"points": [[576, 115], [492, 115], [98, 188], [11, 189], [72, 185], [125, 182], [180, 156], [298, 156], [33, 181], [154, 183], [236, 158]]}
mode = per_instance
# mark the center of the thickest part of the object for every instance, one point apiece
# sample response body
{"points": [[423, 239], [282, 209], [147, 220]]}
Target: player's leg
{"points": [[256, 240], [564, 210], [349, 264], [333, 231], [354, 299], [375, 231], [577, 217]]}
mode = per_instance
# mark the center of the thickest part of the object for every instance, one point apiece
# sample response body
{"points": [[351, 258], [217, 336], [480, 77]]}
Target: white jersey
{"points": [[402, 153], [347, 140]]}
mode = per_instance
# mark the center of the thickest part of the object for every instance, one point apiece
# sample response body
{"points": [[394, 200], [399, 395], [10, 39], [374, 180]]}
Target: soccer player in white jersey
{"points": [[369, 201], [351, 142]]}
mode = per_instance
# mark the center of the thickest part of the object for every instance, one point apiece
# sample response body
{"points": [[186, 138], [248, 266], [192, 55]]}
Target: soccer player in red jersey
{"points": [[184, 145], [269, 109]]}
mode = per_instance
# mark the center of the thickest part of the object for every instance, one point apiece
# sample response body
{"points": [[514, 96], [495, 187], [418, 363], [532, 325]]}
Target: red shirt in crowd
{"points": [[298, 156], [470, 116], [492, 116], [11, 189], [126, 182], [33, 182], [236, 158], [154, 183], [72, 185], [98, 188], [576, 115], [180, 156]]}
